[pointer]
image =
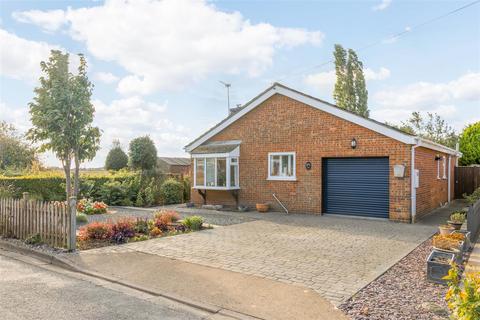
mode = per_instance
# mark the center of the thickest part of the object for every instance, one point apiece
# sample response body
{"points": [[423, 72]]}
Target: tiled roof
{"points": [[175, 161]]}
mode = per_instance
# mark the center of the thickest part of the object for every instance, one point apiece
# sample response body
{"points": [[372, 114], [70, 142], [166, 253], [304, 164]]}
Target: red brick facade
{"points": [[433, 185], [282, 124]]}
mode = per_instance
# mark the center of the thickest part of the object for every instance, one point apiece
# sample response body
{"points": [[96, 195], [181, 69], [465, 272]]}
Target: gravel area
{"points": [[219, 218], [402, 292], [43, 248]]}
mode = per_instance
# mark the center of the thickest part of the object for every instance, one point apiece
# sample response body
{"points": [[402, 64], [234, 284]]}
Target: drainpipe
{"points": [[449, 173], [413, 190]]}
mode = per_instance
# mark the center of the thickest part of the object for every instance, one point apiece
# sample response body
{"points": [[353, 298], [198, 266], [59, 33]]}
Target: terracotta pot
{"points": [[455, 225], [262, 207], [445, 229]]}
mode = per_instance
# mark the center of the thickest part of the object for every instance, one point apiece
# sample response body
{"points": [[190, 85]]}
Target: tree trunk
{"points": [[76, 176], [68, 179]]}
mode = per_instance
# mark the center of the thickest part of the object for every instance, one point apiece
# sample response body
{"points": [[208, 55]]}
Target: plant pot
{"points": [[438, 264], [467, 244], [458, 252], [456, 225], [445, 229], [262, 207]]}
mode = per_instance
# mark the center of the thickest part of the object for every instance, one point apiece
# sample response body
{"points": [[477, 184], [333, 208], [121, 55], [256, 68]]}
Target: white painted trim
{"points": [[216, 188], [211, 155], [283, 178], [444, 164], [437, 147], [364, 122], [413, 190]]}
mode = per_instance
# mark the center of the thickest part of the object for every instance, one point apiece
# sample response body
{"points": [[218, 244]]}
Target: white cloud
{"points": [[168, 44], [325, 81], [21, 58], [457, 101], [49, 20], [382, 74], [105, 77], [426, 94], [382, 5]]}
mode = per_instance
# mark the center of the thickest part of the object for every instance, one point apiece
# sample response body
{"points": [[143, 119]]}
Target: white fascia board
{"points": [[437, 147], [211, 155], [364, 122], [234, 118]]}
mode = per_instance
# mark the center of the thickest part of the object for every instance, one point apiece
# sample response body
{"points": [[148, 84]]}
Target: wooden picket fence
{"points": [[54, 222]]}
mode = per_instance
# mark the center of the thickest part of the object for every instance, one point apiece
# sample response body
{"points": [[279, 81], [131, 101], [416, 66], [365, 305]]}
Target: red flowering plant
{"points": [[89, 207], [123, 230], [96, 231]]}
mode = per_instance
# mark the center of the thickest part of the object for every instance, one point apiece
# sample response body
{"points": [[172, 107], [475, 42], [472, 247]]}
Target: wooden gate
{"points": [[467, 179]]}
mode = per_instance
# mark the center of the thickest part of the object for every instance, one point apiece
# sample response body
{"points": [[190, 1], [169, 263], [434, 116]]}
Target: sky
{"points": [[157, 65]]}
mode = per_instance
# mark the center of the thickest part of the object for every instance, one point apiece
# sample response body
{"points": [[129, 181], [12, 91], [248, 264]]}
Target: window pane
{"points": [[284, 168], [275, 166], [210, 172], [221, 172], [200, 170], [233, 175]]}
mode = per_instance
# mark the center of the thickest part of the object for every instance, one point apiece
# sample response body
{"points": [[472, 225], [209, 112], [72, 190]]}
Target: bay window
{"points": [[216, 172]]}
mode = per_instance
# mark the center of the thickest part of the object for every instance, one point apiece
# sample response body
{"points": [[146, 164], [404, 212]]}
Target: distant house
{"points": [[174, 165], [318, 158]]}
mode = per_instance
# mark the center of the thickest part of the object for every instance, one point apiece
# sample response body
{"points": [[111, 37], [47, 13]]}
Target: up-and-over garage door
{"points": [[356, 186]]}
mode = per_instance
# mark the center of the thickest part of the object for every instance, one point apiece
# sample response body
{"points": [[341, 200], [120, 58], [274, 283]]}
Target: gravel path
{"points": [[401, 293]]}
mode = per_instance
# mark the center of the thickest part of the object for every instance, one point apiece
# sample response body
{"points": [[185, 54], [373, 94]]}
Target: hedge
{"points": [[120, 188]]}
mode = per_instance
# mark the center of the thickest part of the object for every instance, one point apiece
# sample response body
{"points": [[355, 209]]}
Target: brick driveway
{"points": [[334, 256]]}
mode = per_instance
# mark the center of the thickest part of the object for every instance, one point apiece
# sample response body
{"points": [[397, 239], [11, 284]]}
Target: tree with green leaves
{"points": [[350, 90], [62, 116], [142, 153], [116, 159], [470, 144], [431, 127], [15, 153]]}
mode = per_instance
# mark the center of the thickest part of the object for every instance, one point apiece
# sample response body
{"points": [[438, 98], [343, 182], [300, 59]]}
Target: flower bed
{"points": [[165, 223], [89, 207]]}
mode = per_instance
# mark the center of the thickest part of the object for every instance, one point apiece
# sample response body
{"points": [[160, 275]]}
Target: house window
{"points": [[216, 173], [281, 166], [234, 172], [444, 163]]}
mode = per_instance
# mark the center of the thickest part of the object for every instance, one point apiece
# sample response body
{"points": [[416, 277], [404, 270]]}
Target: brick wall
{"points": [[432, 191], [281, 124]]}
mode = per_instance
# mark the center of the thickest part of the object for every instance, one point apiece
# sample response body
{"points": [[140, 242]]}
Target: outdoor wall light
{"points": [[308, 165], [353, 143], [437, 157]]}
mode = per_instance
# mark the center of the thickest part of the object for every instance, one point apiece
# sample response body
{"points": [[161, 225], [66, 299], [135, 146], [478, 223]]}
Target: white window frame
{"points": [[438, 169], [282, 178], [215, 157], [444, 160]]}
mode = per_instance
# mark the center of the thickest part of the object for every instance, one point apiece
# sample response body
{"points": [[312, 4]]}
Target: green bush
{"points": [[113, 193], [171, 191], [34, 239], [474, 197], [187, 185], [193, 223], [6, 190], [82, 218], [116, 159]]}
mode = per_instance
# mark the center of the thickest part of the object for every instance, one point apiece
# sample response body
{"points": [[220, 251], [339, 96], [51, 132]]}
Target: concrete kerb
{"points": [[68, 265]]}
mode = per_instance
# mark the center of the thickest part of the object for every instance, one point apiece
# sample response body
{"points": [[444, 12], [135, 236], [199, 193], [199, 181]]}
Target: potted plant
{"points": [[445, 229], [467, 244], [438, 264], [262, 207], [457, 219], [452, 243]]}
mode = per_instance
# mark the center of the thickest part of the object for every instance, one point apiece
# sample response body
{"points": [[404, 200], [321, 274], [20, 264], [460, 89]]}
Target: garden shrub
{"points": [[113, 193], [171, 191], [141, 226], [149, 197], [187, 185], [193, 222], [474, 197], [170, 215], [123, 230], [155, 232], [96, 231], [463, 297], [139, 202], [88, 207], [34, 239], [6, 190], [81, 218]]}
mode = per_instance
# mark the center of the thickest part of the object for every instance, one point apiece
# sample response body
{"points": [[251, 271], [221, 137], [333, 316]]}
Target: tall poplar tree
{"points": [[350, 90]]}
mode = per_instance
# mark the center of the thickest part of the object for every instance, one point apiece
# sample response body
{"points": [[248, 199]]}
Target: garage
{"points": [[356, 186]]}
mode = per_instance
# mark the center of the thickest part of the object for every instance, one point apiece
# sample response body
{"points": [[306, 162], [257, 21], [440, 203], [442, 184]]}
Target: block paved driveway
{"points": [[334, 256]]}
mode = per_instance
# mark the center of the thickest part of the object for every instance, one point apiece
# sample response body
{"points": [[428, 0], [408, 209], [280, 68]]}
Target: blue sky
{"points": [[156, 65]]}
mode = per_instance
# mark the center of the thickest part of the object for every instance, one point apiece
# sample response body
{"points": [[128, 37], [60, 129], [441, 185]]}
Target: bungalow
{"points": [[289, 149]]}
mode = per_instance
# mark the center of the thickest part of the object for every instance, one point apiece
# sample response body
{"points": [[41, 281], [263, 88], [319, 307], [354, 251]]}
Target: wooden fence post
{"points": [[72, 236]]}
